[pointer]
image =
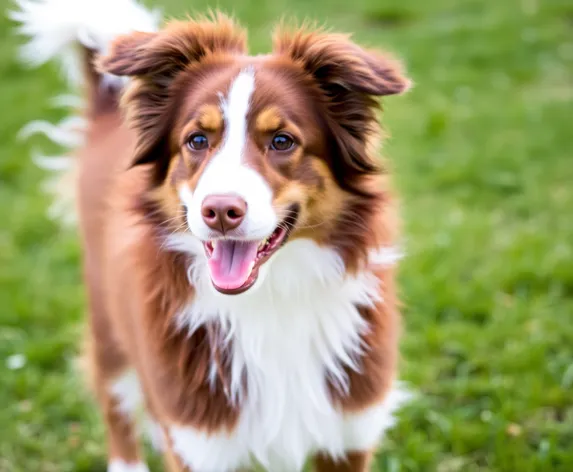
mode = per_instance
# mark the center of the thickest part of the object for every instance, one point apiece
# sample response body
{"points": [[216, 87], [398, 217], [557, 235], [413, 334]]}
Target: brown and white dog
{"points": [[238, 236]]}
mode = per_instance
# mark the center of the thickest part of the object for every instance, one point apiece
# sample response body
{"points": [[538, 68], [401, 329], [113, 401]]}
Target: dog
{"points": [[238, 235]]}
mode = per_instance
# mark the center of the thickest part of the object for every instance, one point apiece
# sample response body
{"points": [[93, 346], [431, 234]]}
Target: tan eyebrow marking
{"points": [[269, 120], [210, 118]]}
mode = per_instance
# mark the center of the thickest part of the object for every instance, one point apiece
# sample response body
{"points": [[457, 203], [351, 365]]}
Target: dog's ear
{"points": [[128, 55], [338, 63], [350, 78], [172, 49], [154, 60]]}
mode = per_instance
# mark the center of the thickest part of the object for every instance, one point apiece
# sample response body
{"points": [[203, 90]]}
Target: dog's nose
{"points": [[223, 212]]}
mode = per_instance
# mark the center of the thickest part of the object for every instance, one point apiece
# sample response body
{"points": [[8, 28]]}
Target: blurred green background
{"points": [[482, 152]]}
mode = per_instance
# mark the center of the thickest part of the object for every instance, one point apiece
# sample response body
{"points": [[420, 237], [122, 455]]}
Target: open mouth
{"points": [[234, 264]]}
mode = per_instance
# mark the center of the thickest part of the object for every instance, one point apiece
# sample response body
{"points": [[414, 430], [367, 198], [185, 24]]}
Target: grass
{"points": [[482, 153]]}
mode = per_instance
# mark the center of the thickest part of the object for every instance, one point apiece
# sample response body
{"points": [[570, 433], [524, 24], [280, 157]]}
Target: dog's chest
{"points": [[287, 411], [289, 353]]}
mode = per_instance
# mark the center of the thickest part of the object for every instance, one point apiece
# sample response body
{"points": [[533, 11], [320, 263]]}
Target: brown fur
{"points": [[355, 461], [374, 380], [320, 88]]}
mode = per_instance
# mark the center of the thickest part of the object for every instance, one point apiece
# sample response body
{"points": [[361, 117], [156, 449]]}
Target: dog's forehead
{"points": [[275, 85], [208, 84]]}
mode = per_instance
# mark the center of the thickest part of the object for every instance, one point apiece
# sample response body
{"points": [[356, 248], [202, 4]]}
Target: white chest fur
{"points": [[298, 328]]}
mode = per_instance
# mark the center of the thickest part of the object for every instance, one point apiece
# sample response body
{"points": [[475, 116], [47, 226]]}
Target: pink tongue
{"points": [[230, 263]]}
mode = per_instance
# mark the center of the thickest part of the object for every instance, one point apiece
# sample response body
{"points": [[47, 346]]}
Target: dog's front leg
{"points": [[172, 462]]}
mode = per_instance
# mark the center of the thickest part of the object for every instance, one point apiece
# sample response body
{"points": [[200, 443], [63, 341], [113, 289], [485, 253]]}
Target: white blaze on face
{"points": [[232, 262], [227, 172]]}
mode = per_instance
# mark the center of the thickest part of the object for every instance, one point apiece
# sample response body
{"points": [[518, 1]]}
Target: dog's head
{"points": [[252, 152]]}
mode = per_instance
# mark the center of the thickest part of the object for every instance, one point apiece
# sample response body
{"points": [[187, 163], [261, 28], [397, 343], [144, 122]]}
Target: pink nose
{"points": [[223, 212]]}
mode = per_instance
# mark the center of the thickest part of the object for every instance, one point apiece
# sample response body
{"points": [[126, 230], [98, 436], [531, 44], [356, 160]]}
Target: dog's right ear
{"points": [[154, 60], [127, 56], [179, 44]]}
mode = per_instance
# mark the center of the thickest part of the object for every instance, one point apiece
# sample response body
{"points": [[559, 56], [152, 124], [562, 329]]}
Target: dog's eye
{"points": [[282, 142], [197, 142]]}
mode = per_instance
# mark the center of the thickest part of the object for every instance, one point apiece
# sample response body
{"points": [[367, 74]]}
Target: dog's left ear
{"points": [[350, 78], [336, 62]]}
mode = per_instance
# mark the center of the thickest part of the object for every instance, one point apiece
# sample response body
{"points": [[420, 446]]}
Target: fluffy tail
{"points": [[73, 32]]}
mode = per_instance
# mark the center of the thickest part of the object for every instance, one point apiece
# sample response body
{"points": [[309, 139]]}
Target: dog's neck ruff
{"points": [[297, 330]]}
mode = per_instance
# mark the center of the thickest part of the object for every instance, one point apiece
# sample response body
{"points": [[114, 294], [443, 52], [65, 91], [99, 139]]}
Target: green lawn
{"points": [[482, 150]]}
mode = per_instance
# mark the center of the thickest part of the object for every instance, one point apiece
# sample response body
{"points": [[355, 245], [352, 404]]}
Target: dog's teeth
{"points": [[213, 244], [251, 267]]}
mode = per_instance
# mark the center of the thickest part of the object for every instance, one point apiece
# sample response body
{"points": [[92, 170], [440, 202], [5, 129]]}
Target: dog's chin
{"points": [[235, 264]]}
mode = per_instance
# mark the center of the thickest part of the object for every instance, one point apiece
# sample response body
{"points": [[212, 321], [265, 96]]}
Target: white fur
{"points": [[127, 392], [61, 184], [228, 174], [299, 326], [118, 465], [67, 133], [384, 256], [54, 27], [362, 430], [154, 433]]}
